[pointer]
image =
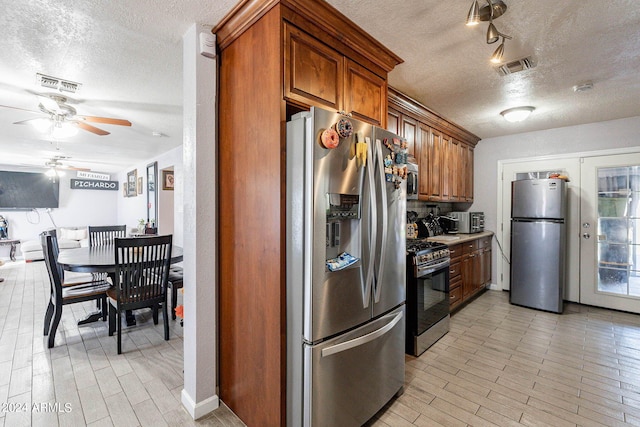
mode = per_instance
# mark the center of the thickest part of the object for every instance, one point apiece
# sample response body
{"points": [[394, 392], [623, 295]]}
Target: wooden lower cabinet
{"points": [[470, 270]]}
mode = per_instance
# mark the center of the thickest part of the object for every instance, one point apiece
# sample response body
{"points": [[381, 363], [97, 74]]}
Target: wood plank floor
{"points": [[499, 365], [82, 380], [506, 365]]}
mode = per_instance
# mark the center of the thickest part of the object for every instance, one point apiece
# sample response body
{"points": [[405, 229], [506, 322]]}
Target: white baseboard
{"points": [[200, 409], [494, 287]]}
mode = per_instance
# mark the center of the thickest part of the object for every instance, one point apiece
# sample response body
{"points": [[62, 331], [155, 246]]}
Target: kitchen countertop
{"points": [[454, 239]]}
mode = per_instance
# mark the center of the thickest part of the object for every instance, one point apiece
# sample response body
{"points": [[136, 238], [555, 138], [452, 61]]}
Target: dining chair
{"points": [[140, 280], [175, 282], [66, 293], [102, 235]]}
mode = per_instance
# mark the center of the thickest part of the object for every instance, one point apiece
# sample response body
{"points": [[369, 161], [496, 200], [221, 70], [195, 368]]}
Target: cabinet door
{"points": [[445, 180], [468, 187], [434, 165], [423, 162], [365, 94], [313, 72], [455, 172], [410, 133], [486, 266], [393, 122], [462, 172], [467, 275]]}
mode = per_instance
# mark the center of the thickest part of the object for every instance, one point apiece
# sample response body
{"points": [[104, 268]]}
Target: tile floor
{"points": [[508, 366], [82, 380], [499, 365]]}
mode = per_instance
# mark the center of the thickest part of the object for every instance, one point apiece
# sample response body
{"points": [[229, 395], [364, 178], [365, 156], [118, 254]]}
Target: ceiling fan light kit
{"points": [[517, 114], [492, 10], [63, 120]]}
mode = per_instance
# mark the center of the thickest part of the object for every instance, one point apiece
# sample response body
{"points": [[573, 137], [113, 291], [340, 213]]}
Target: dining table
{"points": [[100, 259]]}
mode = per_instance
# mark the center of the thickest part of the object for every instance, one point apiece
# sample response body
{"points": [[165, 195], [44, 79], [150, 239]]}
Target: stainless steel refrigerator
{"points": [[538, 243], [345, 324]]}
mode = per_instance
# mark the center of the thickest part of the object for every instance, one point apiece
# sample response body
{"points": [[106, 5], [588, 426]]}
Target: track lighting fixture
{"points": [[492, 10]]}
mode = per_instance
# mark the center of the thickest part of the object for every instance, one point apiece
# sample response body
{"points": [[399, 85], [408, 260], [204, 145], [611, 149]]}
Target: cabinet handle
{"points": [[452, 297]]}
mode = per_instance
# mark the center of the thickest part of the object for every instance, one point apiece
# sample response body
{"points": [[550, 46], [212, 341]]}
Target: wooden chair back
{"points": [[142, 270], [105, 234]]}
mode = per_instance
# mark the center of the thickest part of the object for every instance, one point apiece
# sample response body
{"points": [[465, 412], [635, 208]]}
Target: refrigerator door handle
{"points": [[384, 209], [338, 348], [373, 232]]}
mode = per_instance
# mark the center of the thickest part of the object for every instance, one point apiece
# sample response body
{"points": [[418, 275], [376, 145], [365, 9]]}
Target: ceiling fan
{"points": [[63, 120], [56, 163]]}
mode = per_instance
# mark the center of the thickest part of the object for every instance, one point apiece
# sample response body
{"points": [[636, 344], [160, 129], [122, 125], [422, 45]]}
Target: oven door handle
{"points": [[423, 271]]}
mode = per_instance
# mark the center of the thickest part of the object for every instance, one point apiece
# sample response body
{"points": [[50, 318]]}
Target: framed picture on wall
{"points": [[132, 183], [167, 180], [125, 189], [140, 185]]}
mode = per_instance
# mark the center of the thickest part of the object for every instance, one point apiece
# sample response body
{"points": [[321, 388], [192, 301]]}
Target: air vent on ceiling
{"points": [[57, 83], [516, 66]]}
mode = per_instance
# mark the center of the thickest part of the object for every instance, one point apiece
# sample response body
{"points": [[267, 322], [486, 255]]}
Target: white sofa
{"points": [[68, 237]]}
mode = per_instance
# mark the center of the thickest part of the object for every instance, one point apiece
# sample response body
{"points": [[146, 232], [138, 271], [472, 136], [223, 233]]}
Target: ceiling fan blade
{"points": [[21, 109], [106, 120], [24, 122], [73, 168], [90, 128]]}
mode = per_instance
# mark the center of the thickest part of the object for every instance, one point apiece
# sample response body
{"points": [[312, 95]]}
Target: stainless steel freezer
{"points": [[345, 327], [538, 244]]}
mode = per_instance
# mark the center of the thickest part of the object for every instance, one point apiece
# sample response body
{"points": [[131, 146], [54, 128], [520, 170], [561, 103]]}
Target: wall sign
{"points": [[93, 184], [93, 175]]}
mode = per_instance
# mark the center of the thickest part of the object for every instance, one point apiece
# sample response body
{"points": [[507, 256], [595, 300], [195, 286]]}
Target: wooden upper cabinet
{"points": [[435, 165], [410, 133], [468, 194], [313, 72], [393, 121], [445, 181], [423, 163], [443, 149], [455, 170], [317, 75], [365, 94]]}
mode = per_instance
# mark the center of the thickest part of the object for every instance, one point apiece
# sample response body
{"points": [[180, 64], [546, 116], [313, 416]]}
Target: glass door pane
{"points": [[618, 232]]}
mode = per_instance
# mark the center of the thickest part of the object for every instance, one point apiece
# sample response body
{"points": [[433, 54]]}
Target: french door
{"points": [[610, 232]]}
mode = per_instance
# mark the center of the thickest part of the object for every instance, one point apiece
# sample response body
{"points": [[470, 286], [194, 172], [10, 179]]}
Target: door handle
{"points": [[363, 339], [586, 235]]}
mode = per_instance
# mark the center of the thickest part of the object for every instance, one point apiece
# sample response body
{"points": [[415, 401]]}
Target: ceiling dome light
{"points": [[474, 14], [517, 114]]}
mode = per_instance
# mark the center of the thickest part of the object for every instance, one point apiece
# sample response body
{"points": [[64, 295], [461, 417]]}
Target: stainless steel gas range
{"points": [[427, 294]]}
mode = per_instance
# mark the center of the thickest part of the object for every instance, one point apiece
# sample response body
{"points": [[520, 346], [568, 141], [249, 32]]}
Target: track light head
{"points": [[496, 58], [492, 34], [473, 18]]}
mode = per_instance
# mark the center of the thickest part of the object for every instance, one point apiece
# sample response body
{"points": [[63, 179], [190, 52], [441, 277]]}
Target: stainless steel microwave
{"points": [[412, 181], [469, 222]]}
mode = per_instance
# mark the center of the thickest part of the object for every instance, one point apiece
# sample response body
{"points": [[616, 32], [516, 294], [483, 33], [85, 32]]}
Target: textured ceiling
{"points": [[127, 55]]}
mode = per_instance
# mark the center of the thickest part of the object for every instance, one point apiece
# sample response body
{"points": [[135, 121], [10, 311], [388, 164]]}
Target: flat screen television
{"points": [[28, 190]]}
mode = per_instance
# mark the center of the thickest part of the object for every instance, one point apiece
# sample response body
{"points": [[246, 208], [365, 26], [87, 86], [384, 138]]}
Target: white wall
{"points": [[131, 209], [622, 133], [77, 208]]}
